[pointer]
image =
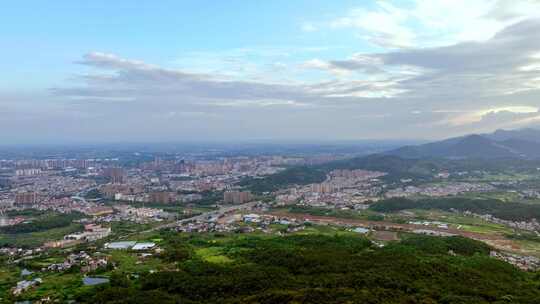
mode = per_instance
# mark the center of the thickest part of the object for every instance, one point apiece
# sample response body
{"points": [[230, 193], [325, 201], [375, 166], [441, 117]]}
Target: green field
{"points": [[466, 223], [213, 255], [36, 239]]}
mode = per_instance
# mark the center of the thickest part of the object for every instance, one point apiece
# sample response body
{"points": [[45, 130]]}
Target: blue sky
{"points": [[43, 38], [114, 71]]}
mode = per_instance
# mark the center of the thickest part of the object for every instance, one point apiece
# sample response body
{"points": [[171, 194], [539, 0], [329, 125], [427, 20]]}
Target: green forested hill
{"points": [[397, 168], [326, 269]]}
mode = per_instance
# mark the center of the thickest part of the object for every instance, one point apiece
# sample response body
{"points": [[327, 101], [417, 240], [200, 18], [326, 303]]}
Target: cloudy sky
{"points": [[132, 71]]}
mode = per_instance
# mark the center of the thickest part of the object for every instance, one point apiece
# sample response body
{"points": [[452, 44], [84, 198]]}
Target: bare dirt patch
{"points": [[385, 235]]}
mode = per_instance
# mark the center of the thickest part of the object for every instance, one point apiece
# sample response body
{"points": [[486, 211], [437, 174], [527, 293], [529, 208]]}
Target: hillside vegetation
{"points": [[497, 208], [324, 269]]}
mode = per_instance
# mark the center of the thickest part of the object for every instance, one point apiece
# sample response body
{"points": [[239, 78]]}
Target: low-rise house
{"points": [[252, 218], [120, 245], [143, 246], [361, 230], [24, 285]]}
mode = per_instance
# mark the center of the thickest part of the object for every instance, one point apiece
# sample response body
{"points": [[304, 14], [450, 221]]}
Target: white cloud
{"points": [[464, 87], [478, 116], [318, 64], [432, 81], [259, 103], [468, 70], [383, 26], [428, 23], [308, 27]]}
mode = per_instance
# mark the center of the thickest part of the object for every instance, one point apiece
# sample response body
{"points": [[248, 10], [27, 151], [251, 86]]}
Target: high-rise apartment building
{"points": [[237, 197], [115, 174], [26, 198]]}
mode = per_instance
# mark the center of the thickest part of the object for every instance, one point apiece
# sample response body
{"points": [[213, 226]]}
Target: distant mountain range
{"points": [[523, 143]]}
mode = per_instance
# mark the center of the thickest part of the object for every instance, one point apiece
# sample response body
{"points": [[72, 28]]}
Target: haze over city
{"points": [[105, 71]]}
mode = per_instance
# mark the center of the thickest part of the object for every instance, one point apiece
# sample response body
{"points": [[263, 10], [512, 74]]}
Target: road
{"points": [[495, 240], [204, 216], [79, 196], [382, 225]]}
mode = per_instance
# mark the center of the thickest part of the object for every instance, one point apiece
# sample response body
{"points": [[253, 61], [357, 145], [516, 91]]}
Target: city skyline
{"points": [[239, 70]]}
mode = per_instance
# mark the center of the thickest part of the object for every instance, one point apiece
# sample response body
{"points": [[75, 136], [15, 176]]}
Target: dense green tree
{"points": [[332, 269], [497, 208]]}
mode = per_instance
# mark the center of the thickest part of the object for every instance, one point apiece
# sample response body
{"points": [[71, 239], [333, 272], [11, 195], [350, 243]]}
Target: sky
{"points": [[201, 70]]}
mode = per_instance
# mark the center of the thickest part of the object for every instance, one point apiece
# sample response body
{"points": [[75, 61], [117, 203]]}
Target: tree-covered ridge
{"points": [[42, 223], [396, 167], [497, 208], [326, 269], [301, 175]]}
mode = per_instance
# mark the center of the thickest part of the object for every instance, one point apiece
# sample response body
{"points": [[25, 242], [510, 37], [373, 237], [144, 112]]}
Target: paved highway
{"points": [[204, 216]]}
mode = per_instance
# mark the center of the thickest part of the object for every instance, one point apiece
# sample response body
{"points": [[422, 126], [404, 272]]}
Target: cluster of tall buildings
{"points": [[324, 188], [237, 197], [26, 198], [161, 197], [46, 164], [356, 174], [115, 174], [27, 172]]}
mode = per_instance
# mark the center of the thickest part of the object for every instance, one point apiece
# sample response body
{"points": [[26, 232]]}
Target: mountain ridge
{"points": [[522, 143]]}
